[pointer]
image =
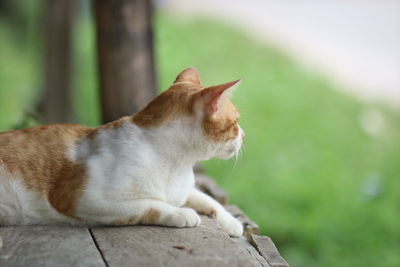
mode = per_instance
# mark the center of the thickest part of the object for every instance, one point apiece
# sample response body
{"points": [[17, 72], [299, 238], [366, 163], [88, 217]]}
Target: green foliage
{"points": [[325, 191], [17, 79], [307, 167]]}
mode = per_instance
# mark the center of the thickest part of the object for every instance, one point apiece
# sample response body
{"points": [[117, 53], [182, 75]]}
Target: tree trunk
{"points": [[126, 59], [56, 105]]}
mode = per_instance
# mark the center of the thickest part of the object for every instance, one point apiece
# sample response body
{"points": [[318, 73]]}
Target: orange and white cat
{"points": [[136, 170]]}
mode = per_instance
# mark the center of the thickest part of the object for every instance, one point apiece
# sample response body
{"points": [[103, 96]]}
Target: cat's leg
{"points": [[142, 211], [205, 204]]}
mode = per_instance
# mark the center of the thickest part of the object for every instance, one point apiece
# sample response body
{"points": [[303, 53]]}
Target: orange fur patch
{"points": [[38, 156], [222, 126], [111, 125], [176, 101], [150, 216], [127, 221], [221, 116], [188, 75]]}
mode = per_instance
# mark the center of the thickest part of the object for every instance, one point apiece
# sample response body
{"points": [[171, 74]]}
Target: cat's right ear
{"points": [[188, 75], [214, 97]]}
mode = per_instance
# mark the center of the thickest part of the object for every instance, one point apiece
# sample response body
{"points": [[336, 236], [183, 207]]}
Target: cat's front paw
{"points": [[231, 225], [182, 217]]}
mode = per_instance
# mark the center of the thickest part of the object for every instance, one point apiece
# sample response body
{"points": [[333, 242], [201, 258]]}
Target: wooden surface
{"points": [[205, 245], [48, 246], [247, 248], [268, 250], [126, 56]]}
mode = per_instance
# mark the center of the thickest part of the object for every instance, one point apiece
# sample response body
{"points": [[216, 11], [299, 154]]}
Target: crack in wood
{"points": [[249, 249], [257, 259], [98, 247]]}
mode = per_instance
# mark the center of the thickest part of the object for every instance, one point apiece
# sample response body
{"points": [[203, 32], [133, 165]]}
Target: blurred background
{"points": [[319, 102]]}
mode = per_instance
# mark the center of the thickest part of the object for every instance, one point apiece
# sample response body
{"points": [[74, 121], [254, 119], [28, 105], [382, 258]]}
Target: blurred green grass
{"points": [[306, 161], [325, 191]]}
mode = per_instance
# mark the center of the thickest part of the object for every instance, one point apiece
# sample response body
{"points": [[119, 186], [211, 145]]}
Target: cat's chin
{"points": [[230, 152], [228, 155]]}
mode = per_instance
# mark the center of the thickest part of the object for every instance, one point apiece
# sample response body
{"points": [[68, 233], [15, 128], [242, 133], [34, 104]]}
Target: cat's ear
{"points": [[213, 97], [188, 75]]}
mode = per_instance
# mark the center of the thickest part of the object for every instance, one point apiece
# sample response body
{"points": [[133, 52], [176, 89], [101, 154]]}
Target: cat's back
{"points": [[36, 150], [46, 139]]}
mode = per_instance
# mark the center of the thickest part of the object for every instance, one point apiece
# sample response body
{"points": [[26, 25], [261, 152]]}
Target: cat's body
{"points": [[137, 170]]}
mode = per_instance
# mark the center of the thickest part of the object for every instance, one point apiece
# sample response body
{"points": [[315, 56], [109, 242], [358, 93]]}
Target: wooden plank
{"points": [[205, 245], [247, 248], [268, 250], [208, 186], [46, 245], [249, 226]]}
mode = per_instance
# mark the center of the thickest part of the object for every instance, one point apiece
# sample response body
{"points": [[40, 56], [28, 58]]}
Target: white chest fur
{"points": [[179, 187], [128, 164]]}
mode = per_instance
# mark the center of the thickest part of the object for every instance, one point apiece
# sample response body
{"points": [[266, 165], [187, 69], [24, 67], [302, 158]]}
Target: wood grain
{"points": [[205, 245], [268, 250], [247, 248], [47, 246]]}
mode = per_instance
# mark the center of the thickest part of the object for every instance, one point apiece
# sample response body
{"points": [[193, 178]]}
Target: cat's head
{"points": [[202, 117]]}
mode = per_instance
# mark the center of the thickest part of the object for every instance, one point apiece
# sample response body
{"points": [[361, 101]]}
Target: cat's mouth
{"points": [[231, 152]]}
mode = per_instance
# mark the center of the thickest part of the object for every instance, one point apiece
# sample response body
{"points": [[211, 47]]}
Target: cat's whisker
{"points": [[241, 151], [236, 158], [238, 155]]}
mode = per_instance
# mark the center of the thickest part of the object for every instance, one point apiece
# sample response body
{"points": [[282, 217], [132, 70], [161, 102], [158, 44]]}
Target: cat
{"points": [[135, 170]]}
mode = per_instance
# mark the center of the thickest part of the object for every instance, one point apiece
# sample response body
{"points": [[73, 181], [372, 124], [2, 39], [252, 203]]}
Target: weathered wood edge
{"points": [[268, 250], [251, 230], [247, 248]]}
